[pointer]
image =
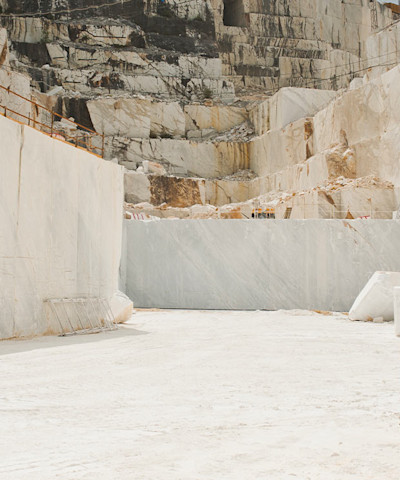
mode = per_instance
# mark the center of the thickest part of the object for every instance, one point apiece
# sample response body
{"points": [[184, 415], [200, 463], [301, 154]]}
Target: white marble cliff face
{"points": [[256, 264]]}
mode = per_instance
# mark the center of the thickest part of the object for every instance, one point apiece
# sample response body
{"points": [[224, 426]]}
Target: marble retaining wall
{"points": [[60, 227], [256, 264]]}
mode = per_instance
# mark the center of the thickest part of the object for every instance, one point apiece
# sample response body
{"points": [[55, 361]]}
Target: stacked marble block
{"points": [[306, 138], [383, 48], [356, 135], [285, 142], [283, 155], [365, 120], [379, 300], [183, 191], [168, 133]]}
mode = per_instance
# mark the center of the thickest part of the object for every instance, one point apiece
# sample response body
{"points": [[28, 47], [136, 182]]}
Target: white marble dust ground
{"points": [[195, 395]]}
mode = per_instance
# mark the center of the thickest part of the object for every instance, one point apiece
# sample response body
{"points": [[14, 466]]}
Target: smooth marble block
{"points": [[256, 264], [60, 227], [121, 307], [292, 103], [376, 298]]}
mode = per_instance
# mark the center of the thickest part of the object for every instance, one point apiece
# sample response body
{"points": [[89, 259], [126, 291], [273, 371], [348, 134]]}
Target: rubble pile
{"points": [[241, 133]]}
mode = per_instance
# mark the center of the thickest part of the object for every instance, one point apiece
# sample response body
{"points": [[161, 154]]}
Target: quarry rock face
{"points": [[224, 109], [191, 95], [269, 44], [137, 118], [18, 83], [220, 109], [354, 138], [314, 43], [189, 158]]}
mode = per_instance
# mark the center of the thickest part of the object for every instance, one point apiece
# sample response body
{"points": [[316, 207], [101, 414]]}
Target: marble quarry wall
{"points": [[367, 120], [183, 49], [350, 140], [313, 43], [242, 264], [188, 95], [356, 135], [60, 227], [180, 157], [360, 125], [15, 81], [101, 52], [213, 107], [146, 118], [183, 191], [383, 48]]}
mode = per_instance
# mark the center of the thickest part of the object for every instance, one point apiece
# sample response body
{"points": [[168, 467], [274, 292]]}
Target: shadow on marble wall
{"points": [[254, 264]]}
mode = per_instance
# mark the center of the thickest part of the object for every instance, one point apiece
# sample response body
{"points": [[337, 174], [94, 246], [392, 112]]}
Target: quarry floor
{"points": [[204, 395]]}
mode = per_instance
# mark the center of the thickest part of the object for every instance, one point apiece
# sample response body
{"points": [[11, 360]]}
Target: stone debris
{"points": [[152, 167], [240, 175], [240, 133], [370, 181], [275, 200]]}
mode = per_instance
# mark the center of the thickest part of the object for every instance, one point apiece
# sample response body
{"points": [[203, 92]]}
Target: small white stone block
{"points": [[376, 298], [396, 298], [121, 307]]}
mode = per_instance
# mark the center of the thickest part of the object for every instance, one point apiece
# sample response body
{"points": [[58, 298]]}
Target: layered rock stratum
{"points": [[222, 102]]}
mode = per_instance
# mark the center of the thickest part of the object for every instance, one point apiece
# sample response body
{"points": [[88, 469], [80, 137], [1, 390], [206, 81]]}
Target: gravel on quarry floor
{"points": [[204, 395]]}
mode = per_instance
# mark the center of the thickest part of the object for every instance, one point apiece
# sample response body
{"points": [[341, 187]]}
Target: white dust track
{"points": [[177, 395]]}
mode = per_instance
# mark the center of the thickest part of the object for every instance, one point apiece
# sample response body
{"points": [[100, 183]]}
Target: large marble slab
{"points": [[256, 264], [60, 227]]}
